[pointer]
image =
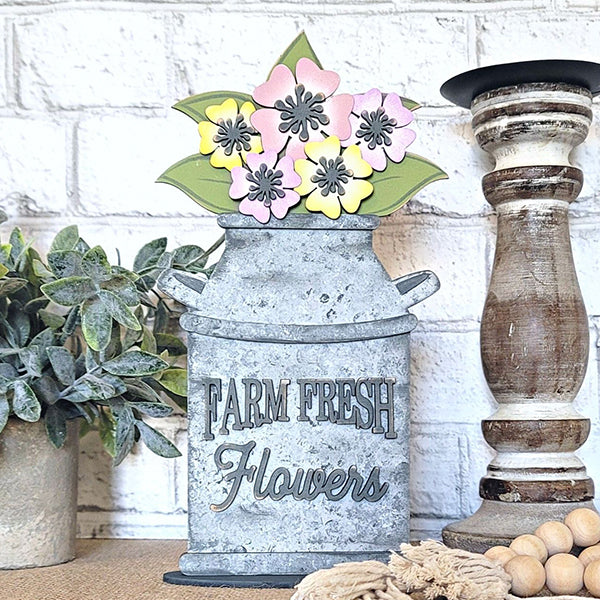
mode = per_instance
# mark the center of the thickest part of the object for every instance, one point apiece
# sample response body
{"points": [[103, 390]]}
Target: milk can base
{"points": [[238, 581]]}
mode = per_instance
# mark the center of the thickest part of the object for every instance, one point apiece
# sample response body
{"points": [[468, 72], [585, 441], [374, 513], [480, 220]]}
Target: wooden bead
{"points": [[564, 574], [584, 524], [500, 555], [556, 536], [590, 555], [530, 545], [528, 575], [591, 578]]}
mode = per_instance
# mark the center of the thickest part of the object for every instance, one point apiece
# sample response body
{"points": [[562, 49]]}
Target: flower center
{"points": [[331, 175], [234, 135], [301, 112], [375, 128], [265, 185]]}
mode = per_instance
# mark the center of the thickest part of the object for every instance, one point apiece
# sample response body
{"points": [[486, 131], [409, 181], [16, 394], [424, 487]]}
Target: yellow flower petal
{"points": [[207, 132], [246, 110], [255, 144], [227, 110], [354, 162], [328, 205], [328, 148], [306, 169], [219, 159], [356, 191]]}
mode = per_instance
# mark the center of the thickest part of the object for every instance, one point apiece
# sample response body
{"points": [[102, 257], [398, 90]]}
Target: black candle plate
{"points": [[462, 88], [238, 581]]}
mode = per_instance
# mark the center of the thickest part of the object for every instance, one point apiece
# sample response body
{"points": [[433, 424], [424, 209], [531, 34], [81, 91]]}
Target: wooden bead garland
{"points": [[584, 524], [591, 578], [500, 554], [528, 575], [564, 574], [590, 555], [556, 536], [530, 545]]}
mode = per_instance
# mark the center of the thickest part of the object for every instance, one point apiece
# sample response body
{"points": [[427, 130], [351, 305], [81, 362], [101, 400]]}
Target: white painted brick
{"points": [[586, 156], [72, 59], [435, 472], [33, 163], [456, 254], [479, 455], [447, 382], [585, 238], [128, 486], [120, 159], [450, 144], [519, 36], [3, 63]]}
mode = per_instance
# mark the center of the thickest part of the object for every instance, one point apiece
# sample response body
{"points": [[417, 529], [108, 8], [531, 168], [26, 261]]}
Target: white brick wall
{"points": [[85, 129]]}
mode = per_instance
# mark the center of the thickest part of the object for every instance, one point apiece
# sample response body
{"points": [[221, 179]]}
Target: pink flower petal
{"points": [[338, 109], [370, 101], [281, 206], [316, 79], [280, 84], [255, 209], [396, 110], [268, 157], [266, 122], [402, 137], [375, 157], [240, 186], [355, 125], [290, 178]]}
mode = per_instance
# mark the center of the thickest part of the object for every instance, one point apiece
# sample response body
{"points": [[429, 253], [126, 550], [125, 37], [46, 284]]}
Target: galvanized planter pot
{"points": [[298, 398], [38, 496]]}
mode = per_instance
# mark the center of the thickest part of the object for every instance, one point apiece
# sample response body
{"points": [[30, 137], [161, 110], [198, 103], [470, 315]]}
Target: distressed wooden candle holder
{"points": [[534, 329]]}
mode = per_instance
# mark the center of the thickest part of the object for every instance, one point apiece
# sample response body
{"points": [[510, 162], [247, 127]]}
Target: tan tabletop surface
{"points": [[118, 570]]}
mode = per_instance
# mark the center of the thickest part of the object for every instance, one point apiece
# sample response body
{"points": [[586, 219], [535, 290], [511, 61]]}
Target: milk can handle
{"points": [[183, 287], [417, 286]]}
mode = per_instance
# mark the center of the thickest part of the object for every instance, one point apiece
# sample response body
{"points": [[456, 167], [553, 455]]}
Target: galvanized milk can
{"points": [[298, 397]]}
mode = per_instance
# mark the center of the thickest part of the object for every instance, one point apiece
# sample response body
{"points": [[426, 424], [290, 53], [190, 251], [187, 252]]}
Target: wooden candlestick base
{"points": [[534, 329]]}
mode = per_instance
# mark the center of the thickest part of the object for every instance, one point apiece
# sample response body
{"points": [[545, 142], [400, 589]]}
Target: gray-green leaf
{"points": [[124, 288], [65, 239], [69, 290], [95, 264], [118, 310], [156, 441], [135, 363], [63, 364], [175, 380], [56, 426], [32, 361], [96, 324], [65, 263], [149, 254], [25, 404], [94, 388], [152, 409], [4, 411]]}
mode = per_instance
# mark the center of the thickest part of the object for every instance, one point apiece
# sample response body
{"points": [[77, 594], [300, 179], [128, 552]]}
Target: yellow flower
{"points": [[228, 136], [331, 180]]}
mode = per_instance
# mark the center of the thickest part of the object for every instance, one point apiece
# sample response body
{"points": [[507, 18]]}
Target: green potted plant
{"points": [[83, 345]]}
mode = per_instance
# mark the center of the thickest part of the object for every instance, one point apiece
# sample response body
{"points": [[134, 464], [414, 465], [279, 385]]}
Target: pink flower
{"points": [[379, 128], [302, 108], [265, 186]]}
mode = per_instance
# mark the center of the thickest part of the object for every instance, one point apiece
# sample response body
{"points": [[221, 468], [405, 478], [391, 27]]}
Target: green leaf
{"points": [[195, 106], [152, 409], [175, 380], [299, 48], [5, 250], [65, 263], [19, 322], [96, 324], [44, 339], [395, 186], [204, 184], [156, 441], [95, 264], [10, 285], [63, 364], [106, 429], [149, 254], [136, 388], [25, 404], [95, 388], [124, 432], [3, 270], [135, 363], [40, 270], [56, 426], [118, 310], [69, 290], [65, 239], [33, 306], [46, 389], [171, 343], [4, 411], [18, 245], [71, 321], [32, 361], [51, 319], [124, 288]]}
